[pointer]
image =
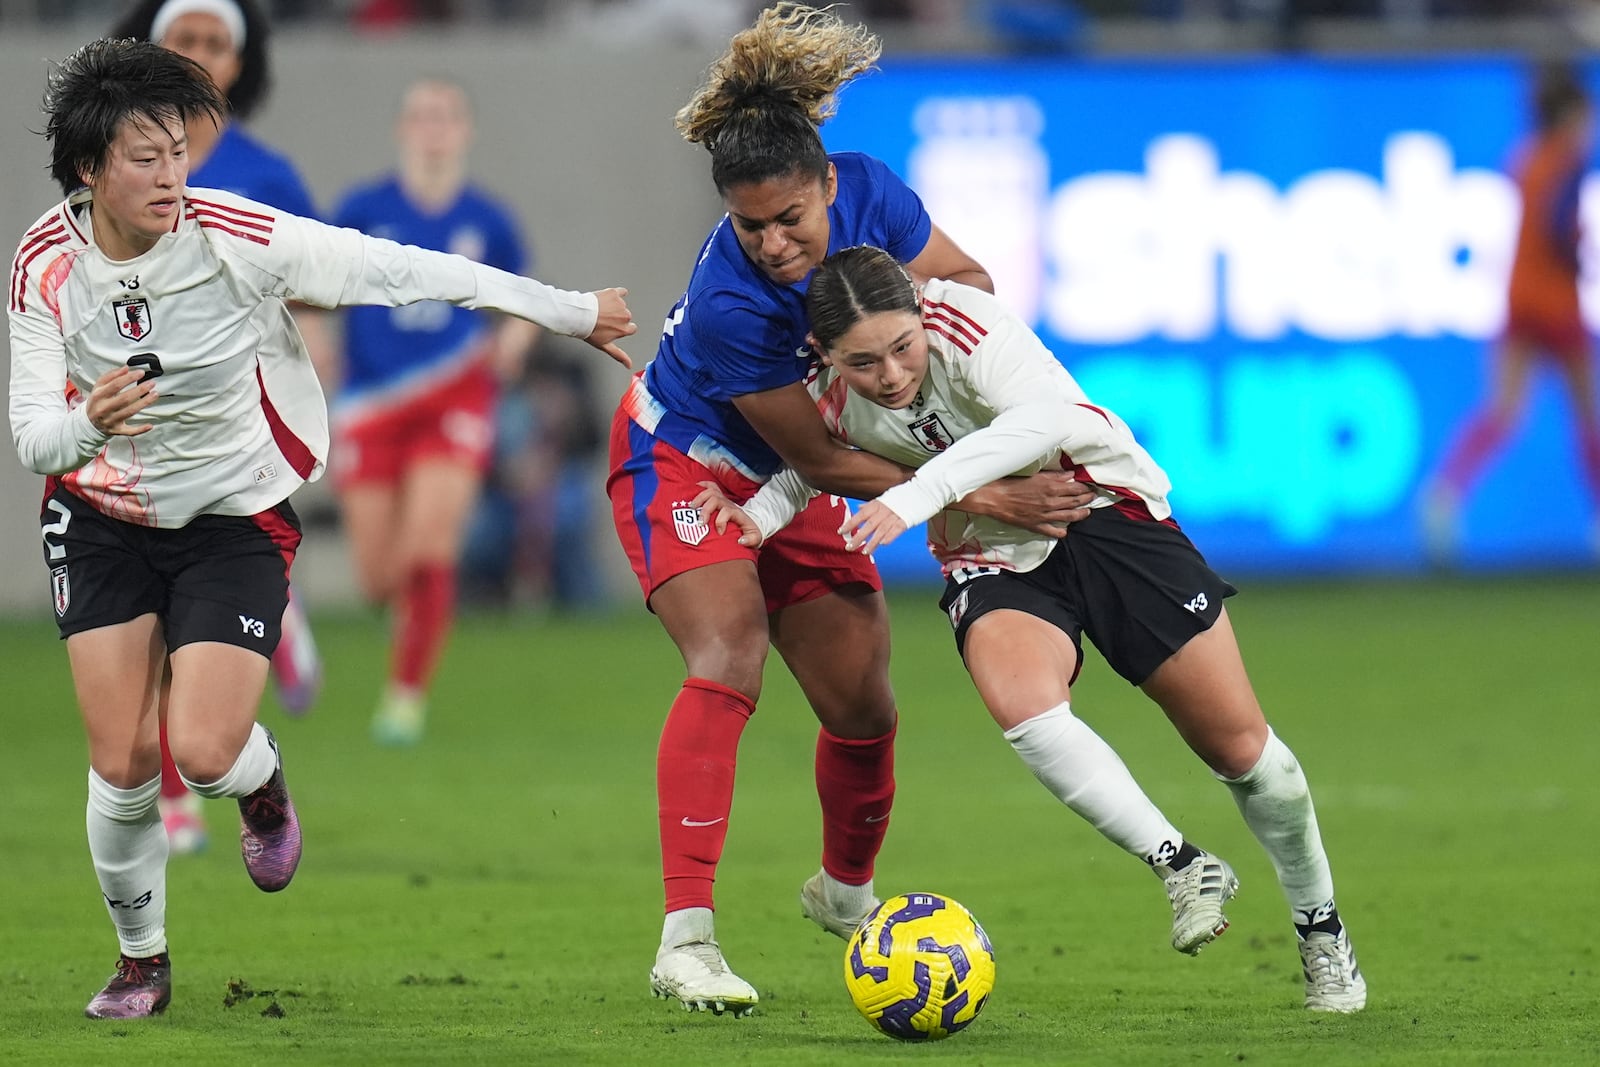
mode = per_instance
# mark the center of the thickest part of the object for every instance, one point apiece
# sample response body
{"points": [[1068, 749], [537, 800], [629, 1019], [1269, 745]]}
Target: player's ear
{"points": [[815, 346]]}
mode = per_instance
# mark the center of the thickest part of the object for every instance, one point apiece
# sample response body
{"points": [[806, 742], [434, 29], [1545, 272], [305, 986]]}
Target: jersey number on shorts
{"points": [[56, 551]]}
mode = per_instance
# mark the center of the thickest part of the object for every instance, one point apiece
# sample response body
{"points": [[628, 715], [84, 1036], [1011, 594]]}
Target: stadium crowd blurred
{"points": [[1055, 21]]}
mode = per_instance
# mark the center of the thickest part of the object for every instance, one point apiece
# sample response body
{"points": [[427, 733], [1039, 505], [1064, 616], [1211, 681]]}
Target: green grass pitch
{"points": [[493, 896]]}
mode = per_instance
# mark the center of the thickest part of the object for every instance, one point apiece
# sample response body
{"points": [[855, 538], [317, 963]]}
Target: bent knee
{"points": [[203, 762]]}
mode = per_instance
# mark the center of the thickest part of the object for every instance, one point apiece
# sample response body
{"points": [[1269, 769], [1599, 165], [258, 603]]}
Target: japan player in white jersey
{"points": [[158, 381], [945, 380]]}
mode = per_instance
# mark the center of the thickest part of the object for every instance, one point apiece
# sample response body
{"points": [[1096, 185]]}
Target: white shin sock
{"points": [[1276, 804], [128, 845], [1086, 774], [250, 771]]}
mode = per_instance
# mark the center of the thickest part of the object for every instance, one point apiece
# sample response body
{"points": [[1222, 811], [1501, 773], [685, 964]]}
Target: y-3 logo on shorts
{"points": [[1198, 604], [253, 627]]}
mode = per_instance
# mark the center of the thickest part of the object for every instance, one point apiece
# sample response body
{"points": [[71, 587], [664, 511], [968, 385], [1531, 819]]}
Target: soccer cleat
{"points": [[697, 975], [1197, 893], [814, 905], [400, 719], [269, 831], [142, 987], [184, 822], [296, 665], [1333, 978]]}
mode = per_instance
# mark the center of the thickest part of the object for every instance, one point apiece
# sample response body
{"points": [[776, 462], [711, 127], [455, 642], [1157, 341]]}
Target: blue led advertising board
{"points": [[1285, 274]]}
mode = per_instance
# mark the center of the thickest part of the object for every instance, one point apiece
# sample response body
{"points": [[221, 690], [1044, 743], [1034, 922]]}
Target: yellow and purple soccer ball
{"points": [[919, 967]]}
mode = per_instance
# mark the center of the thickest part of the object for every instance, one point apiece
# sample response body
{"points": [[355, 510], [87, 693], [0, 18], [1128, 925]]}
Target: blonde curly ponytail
{"points": [[782, 72]]}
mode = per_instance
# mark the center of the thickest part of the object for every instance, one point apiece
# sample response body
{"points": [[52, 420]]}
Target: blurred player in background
{"points": [[947, 380], [159, 382], [1543, 318], [414, 418], [229, 39], [725, 400]]}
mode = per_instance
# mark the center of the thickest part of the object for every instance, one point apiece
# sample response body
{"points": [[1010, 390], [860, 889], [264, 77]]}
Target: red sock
{"points": [[855, 782], [1466, 459], [171, 785], [694, 786], [427, 607]]}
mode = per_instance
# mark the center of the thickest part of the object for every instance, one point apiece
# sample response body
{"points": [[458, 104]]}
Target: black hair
{"points": [[255, 76], [761, 104], [852, 284], [91, 93]]}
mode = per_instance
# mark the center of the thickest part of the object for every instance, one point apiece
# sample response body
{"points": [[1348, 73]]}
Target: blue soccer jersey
{"points": [[735, 331], [242, 165], [392, 351]]}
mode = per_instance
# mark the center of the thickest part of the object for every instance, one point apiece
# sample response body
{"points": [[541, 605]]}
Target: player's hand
{"points": [[118, 396], [717, 510], [869, 529], [613, 321], [1044, 503]]}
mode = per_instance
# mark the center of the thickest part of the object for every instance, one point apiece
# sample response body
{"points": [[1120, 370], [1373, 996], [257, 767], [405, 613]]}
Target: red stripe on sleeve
{"points": [[30, 251], [935, 326], [257, 238]]}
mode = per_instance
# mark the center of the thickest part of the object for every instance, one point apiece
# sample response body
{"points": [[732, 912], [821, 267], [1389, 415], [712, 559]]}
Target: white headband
{"points": [[226, 10]]}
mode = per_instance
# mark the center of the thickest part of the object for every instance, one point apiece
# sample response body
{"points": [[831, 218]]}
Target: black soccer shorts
{"points": [[220, 578], [1138, 589]]}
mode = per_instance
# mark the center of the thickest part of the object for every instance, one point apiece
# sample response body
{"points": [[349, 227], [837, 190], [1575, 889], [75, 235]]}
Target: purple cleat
{"points": [[269, 831], [142, 987]]}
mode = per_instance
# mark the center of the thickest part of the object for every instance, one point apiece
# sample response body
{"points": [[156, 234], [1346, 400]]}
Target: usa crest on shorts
{"points": [[133, 317], [691, 528]]}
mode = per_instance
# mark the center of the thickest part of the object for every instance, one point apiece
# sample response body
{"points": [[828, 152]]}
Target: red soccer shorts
{"points": [[651, 486], [451, 420]]}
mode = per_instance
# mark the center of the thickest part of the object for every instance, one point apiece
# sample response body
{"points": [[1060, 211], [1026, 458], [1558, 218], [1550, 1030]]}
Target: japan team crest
{"points": [[958, 609], [133, 317], [931, 434], [60, 590], [691, 528]]}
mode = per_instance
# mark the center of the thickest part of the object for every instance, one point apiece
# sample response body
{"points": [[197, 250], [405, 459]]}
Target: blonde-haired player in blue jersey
{"points": [[724, 399], [944, 379], [160, 385]]}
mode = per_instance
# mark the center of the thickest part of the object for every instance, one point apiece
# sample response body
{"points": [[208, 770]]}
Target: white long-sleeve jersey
{"points": [[240, 421], [995, 402]]}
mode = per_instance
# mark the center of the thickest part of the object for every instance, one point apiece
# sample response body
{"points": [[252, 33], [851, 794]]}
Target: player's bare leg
{"points": [[716, 616], [222, 751], [182, 812], [1205, 692], [837, 648], [1022, 667], [1483, 436], [117, 671]]}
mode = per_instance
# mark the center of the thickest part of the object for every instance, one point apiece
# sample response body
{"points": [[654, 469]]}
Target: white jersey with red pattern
{"points": [[240, 422], [995, 402]]}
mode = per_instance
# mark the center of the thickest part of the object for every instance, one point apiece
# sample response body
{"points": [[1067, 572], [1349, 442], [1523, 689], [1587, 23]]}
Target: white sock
{"points": [[128, 845], [256, 762], [687, 925], [1087, 775], [847, 899], [1275, 801]]}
